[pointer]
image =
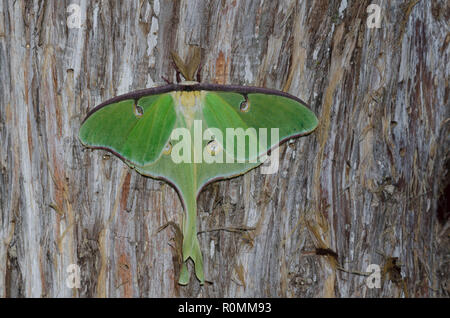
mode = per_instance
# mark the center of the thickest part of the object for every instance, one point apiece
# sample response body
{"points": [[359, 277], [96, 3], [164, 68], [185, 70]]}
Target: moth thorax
{"points": [[188, 103], [189, 99]]}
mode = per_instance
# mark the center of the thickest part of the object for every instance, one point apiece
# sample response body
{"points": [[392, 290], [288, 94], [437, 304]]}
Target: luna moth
{"points": [[150, 129]]}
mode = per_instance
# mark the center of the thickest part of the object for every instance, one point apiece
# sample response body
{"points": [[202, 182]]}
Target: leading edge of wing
{"points": [[193, 87]]}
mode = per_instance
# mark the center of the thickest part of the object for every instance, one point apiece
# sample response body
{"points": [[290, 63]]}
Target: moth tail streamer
{"points": [[191, 246]]}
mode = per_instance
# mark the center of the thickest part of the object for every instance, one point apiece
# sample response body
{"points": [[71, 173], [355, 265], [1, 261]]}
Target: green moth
{"points": [[191, 134]]}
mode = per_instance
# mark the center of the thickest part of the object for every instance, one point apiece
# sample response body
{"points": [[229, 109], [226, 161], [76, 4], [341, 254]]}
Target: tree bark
{"points": [[367, 187]]}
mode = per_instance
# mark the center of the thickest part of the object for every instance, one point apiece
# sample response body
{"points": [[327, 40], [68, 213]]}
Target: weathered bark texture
{"points": [[368, 184]]}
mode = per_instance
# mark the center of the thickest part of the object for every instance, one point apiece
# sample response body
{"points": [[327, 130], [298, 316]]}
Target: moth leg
{"points": [[177, 72], [166, 80], [199, 70]]}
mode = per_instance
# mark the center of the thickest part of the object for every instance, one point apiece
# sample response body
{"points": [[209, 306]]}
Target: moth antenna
{"points": [[178, 65]]}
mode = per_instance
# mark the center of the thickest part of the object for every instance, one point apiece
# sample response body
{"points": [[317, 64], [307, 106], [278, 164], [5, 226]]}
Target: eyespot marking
{"points": [[167, 148], [138, 110], [245, 105], [213, 147]]}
